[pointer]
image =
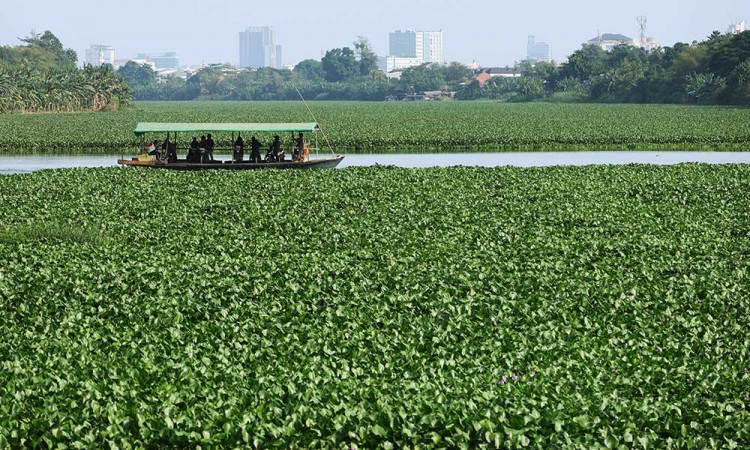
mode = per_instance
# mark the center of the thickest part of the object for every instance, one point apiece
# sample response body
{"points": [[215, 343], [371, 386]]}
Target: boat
{"points": [[301, 155]]}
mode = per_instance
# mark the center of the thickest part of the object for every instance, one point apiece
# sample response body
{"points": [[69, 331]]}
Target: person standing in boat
{"points": [[298, 147], [278, 154], [202, 149], [255, 154], [210, 147], [239, 149], [193, 152]]}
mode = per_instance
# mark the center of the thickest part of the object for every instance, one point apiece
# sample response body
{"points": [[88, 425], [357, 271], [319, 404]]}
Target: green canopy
{"points": [[152, 127]]}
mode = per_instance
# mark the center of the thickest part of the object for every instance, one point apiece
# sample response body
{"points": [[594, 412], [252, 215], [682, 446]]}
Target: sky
{"points": [[490, 32]]}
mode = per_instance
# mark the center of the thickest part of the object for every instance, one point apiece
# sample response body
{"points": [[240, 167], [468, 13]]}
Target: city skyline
{"points": [[473, 31]]}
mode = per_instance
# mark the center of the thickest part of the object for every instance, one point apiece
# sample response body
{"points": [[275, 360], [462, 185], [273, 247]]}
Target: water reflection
{"points": [[29, 163]]}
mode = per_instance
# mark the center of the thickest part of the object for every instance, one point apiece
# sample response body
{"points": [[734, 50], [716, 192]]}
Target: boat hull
{"points": [[321, 163]]}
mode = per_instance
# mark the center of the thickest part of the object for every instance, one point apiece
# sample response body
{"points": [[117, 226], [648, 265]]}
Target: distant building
{"points": [[736, 28], [119, 63], [651, 44], [432, 46], [258, 48], [163, 74], [538, 51], [484, 75], [408, 48], [166, 60], [608, 41], [391, 63], [96, 55], [405, 44], [141, 61]]}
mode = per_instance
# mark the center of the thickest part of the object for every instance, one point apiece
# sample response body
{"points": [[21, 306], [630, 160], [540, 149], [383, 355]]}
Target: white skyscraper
{"points": [[736, 28], [258, 48], [538, 51], [409, 48], [96, 55], [432, 50]]}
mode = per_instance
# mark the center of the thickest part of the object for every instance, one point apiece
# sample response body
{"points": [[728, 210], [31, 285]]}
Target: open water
{"points": [[31, 163]]}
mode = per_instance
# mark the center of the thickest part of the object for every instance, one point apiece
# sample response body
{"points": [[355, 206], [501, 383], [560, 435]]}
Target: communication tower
{"points": [[642, 26]]}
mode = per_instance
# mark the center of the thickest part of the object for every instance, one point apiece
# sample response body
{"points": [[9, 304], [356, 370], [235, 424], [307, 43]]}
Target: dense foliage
{"points": [[715, 71], [41, 76], [404, 126], [546, 308], [338, 77], [341, 74]]}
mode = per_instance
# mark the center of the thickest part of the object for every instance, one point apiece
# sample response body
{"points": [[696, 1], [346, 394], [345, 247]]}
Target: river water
{"points": [[13, 164]]}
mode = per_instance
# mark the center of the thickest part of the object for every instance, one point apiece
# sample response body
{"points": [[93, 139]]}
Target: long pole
{"points": [[316, 120]]}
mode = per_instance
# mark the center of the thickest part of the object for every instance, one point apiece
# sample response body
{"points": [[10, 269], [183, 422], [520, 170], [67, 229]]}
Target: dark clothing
{"points": [[193, 154], [239, 150], [202, 152], [171, 152], [277, 152], [255, 155]]}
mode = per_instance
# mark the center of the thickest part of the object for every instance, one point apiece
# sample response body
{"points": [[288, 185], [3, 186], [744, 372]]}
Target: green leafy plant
{"points": [[403, 127], [564, 307]]}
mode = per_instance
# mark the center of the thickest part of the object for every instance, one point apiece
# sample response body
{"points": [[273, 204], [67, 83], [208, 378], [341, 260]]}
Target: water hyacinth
{"points": [[376, 307], [389, 127]]}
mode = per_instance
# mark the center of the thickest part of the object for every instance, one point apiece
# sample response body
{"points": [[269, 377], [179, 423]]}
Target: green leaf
{"points": [[377, 430]]}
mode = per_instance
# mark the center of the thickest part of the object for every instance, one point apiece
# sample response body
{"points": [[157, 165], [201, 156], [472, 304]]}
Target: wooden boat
{"points": [[302, 158]]}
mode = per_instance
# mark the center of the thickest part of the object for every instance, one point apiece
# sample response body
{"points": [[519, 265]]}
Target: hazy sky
{"points": [[491, 32]]}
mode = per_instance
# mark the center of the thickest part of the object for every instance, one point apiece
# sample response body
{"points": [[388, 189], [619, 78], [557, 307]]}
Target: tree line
{"points": [[714, 71], [348, 73], [42, 76]]}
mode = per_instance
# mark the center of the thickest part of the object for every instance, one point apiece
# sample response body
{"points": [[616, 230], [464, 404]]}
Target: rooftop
{"points": [[611, 37]]}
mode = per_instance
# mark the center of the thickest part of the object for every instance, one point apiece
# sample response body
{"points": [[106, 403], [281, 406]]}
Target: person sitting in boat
{"points": [[172, 152], [193, 152], [239, 149], [151, 149], [210, 147], [255, 154]]}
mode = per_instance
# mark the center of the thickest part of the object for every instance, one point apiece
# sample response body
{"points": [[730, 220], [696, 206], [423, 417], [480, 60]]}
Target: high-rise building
{"points": [[166, 60], [736, 28], [258, 48], [432, 42], [279, 57], [96, 55], [538, 51], [405, 44], [409, 48]]}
